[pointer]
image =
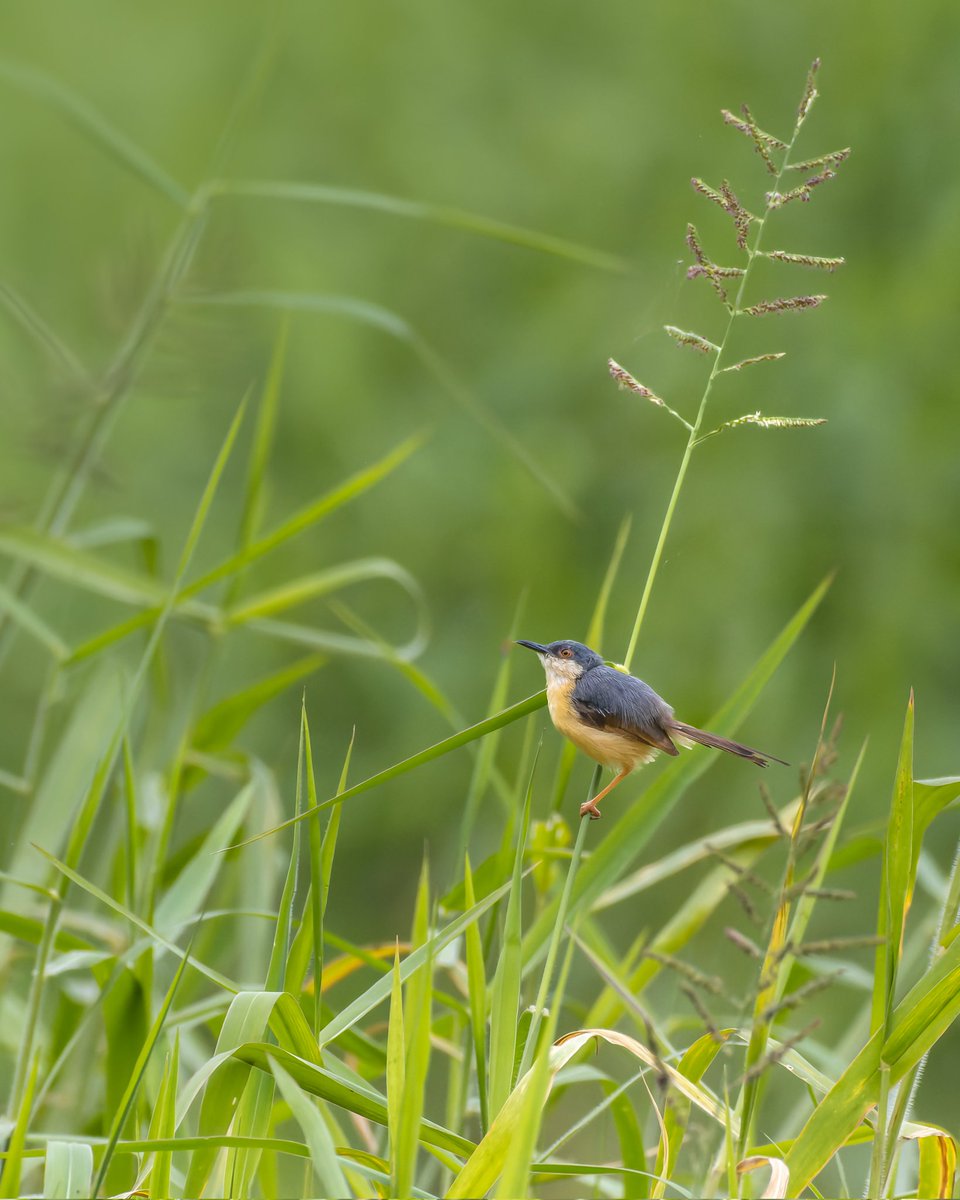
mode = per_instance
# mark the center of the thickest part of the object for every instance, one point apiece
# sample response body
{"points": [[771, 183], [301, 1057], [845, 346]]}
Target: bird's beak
{"points": [[532, 646]]}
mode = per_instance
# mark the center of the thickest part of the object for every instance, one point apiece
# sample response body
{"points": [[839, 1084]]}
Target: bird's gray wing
{"points": [[609, 699]]}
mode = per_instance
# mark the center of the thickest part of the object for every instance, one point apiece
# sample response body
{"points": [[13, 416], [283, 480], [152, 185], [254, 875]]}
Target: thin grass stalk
{"points": [[693, 438]]}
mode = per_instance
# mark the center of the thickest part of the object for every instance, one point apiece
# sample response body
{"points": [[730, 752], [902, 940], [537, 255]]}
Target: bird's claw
{"points": [[588, 808]]}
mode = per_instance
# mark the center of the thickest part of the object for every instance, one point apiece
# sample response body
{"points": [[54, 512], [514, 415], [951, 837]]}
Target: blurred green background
{"points": [[581, 121]]}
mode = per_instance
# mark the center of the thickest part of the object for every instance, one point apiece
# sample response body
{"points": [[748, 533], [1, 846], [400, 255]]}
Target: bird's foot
{"points": [[590, 809]]}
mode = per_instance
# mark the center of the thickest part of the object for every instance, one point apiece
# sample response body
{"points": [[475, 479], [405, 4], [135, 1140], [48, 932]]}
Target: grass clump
{"points": [[187, 1019]]}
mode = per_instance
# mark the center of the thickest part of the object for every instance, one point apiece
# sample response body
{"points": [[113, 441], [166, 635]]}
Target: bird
{"points": [[615, 718]]}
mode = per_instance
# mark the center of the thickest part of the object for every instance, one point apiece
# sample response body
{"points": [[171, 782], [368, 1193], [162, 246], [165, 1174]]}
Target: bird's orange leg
{"points": [[590, 806]]}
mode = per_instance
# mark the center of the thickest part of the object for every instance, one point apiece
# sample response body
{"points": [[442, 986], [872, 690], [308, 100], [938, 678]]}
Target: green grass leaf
{"points": [[68, 1171], [365, 1102], [97, 128], [436, 214], [322, 1150], [477, 993], [505, 989]]}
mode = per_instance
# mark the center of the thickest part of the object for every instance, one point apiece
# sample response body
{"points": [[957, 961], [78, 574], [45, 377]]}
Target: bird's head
{"points": [[565, 660]]}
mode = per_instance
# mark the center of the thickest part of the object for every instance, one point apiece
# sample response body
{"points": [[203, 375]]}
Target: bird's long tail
{"points": [[716, 742]]}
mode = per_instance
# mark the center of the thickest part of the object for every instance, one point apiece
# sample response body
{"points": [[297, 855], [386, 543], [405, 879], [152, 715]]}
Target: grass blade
{"points": [[363, 1101], [417, 1010], [477, 993], [505, 990], [68, 1171], [322, 1150], [437, 214], [163, 1124], [82, 114], [13, 1163]]}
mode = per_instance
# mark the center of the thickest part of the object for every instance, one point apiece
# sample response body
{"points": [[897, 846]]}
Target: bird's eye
{"points": [[566, 652]]}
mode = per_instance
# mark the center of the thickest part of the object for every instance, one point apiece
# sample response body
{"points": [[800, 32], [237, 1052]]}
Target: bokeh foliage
{"points": [[584, 123]]}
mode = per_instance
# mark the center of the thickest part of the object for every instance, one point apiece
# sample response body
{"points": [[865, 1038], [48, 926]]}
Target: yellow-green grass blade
{"points": [[485, 1164], [897, 879], [463, 738], [693, 1065], [163, 1125], [224, 1077], [188, 892], [322, 1150], [898, 875], [92, 124], [253, 1117], [435, 214], [310, 936], [30, 931], [417, 1025], [17, 1136], [916, 1023], [396, 1070], [305, 518], [505, 989], [68, 778], [79, 568], [514, 1178], [937, 1167], [628, 835], [477, 993], [283, 930], [68, 1171], [322, 583], [136, 1075], [365, 1102]]}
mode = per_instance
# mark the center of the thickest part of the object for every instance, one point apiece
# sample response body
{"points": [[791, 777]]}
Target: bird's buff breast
{"points": [[612, 749]]}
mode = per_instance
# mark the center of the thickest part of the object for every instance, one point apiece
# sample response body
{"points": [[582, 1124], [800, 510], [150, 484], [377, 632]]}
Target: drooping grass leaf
{"points": [[363, 1101], [68, 1171], [80, 112], [454, 218], [322, 1150]]}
